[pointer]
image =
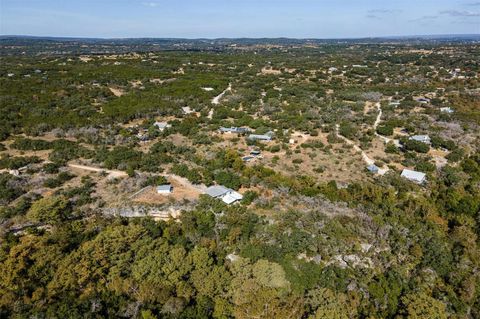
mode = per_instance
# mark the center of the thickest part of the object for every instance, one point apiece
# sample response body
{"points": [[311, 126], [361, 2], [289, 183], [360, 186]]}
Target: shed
{"points": [[237, 130], [448, 110], [165, 189], [373, 168], [414, 176], [187, 110], [262, 137], [423, 100], [421, 138], [161, 125]]}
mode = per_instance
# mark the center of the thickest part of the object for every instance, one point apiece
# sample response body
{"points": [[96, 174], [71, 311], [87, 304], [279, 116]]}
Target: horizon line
{"points": [[236, 38]]}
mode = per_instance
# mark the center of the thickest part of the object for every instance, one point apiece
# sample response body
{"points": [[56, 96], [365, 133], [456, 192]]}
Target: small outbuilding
{"points": [[187, 110], [262, 137], [447, 110], [236, 130], [373, 169], [423, 100], [161, 125], [421, 138], [165, 189], [414, 176]]}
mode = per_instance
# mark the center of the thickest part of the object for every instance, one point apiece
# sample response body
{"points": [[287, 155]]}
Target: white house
{"points": [[187, 110], [227, 195], [162, 125], [262, 137], [165, 189], [414, 176], [448, 110], [237, 130], [394, 103], [421, 138], [423, 100], [373, 169]]}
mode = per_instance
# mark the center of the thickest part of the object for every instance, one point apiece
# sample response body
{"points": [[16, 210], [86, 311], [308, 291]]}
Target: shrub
{"points": [[417, 146], [385, 130]]}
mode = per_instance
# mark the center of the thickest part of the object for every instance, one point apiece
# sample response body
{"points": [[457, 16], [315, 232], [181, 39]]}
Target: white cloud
{"points": [[384, 11], [150, 4], [457, 13]]}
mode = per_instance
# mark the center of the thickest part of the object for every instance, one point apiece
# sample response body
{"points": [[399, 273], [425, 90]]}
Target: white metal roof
{"points": [[413, 175], [232, 197], [161, 125], [164, 188], [259, 137], [217, 191]]}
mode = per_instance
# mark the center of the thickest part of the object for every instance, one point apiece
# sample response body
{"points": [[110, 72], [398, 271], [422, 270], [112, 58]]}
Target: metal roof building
{"points": [[421, 138], [373, 168], [161, 125], [414, 176], [164, 189], [227, 195]]}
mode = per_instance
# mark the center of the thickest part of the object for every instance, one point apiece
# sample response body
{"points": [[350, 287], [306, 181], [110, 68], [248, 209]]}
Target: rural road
{"points": [[365, 157], [111, 173], [118, 174], [216, 100], [377, 122]]}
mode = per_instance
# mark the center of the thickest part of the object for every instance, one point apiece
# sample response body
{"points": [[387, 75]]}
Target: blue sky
{"points": [[238, 18]]}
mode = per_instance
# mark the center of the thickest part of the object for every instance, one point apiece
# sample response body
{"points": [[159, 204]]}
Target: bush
{"points": [[182, 170], [385, 130], [249, 197], [51, 168], [59, 180], [18, 162], [391, 148], [417, 146], [9, 188], [155, 180], [275, 148], [49, 210], [456, 155], [425, 167], [228, 179]]}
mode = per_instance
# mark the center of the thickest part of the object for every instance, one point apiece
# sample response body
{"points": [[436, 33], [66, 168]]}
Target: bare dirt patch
{"points": [[116, 91], [181, 192]]}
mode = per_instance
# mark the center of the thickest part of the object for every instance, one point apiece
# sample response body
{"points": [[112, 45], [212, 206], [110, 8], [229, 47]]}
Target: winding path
{"points": [[117, 174], [377, 122], [216, 100], [111, 173], [365, 157]]}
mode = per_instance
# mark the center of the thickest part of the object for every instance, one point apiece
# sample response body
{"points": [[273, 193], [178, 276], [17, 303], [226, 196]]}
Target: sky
{"points": [[238, 18]]}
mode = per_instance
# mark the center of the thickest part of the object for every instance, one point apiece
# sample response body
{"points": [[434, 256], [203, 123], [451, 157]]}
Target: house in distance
{"points": [[227, 195], [236, 130], [262, 137], [421, 138], [161, 125], [414, 176], [165, 189]]}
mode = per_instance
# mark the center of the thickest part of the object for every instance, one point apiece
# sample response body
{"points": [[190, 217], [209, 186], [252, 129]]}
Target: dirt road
{"points": [[216, 100], [111, 173], [377, 122], [365, 157]]}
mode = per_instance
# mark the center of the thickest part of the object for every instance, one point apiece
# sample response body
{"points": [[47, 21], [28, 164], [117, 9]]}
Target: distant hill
{"points": [[21, 44]]}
